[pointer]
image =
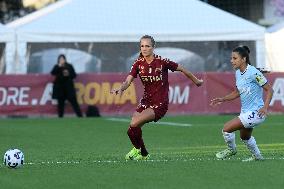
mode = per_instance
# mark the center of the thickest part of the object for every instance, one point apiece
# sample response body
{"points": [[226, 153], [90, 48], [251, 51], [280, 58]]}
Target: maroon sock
{"points": [[144, 152], [135, 135], [141, 142], [132, 136]]}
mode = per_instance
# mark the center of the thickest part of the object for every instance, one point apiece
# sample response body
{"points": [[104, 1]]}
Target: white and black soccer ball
{"points": [[14, 158]]}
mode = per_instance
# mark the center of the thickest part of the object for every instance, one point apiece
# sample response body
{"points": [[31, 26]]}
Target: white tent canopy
{"points": [[274, 41], [7, 36], [128, 20]]}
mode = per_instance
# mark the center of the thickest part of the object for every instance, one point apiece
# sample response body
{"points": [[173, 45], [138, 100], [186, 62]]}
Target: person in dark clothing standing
{"points": [[63, 86]]}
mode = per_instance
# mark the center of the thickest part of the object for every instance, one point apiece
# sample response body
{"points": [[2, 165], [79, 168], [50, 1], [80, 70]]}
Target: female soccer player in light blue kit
{"points": [[250, 83]]}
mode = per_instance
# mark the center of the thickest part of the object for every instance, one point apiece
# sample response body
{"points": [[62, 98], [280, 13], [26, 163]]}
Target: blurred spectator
{"points": [[63, 86]]}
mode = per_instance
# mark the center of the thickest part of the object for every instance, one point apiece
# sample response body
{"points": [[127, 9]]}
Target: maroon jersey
{"points": [[154, 77]]}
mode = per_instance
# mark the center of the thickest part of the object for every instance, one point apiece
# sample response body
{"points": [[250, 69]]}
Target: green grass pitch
{"points": [[89, 153]]}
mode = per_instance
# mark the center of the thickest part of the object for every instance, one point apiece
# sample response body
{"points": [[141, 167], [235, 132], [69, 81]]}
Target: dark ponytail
{"points": [[244, 52]]}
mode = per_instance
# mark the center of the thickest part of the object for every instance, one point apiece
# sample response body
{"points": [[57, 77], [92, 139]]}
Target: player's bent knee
{"points": [[135, 114], [226, 129], [134, 123]]}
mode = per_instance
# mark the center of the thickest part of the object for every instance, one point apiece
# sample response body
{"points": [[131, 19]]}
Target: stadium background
{"points": [[35, 34]]}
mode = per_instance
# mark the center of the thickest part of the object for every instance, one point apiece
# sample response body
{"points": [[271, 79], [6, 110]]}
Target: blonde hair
{"points": [[153, 42]]}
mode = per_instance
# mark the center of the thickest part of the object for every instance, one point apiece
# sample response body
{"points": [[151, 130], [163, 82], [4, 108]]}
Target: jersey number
{"points": [[251, 116]]}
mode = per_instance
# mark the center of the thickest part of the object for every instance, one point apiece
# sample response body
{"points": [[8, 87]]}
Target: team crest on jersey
{"points": [[260, 80], [141, 69]]}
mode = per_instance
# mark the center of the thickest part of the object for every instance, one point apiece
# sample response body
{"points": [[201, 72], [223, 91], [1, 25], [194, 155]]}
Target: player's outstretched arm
{"points": [[188, 74], [233, 95], [124, 85]]}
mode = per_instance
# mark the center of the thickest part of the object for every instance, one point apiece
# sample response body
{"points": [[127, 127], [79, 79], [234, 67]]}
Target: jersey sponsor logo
{"points": [[151, 78]]}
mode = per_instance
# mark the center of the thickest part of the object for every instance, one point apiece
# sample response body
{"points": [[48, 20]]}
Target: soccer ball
{"points": [[14, 158]]}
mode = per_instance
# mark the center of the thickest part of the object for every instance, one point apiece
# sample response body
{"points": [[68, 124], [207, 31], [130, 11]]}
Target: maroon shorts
{"points": [[160, 110]]}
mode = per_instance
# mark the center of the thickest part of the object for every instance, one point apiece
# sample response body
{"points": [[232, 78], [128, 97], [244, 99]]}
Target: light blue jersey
{"points": [[249, 84]]}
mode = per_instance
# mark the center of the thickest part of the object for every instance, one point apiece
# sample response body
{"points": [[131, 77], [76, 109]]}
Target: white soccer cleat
{"points": [[226, 153]]}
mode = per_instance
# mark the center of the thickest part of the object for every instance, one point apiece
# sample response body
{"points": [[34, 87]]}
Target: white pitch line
{"points": [[146, 161], [182, 124], [118, 119], [159, 123]]}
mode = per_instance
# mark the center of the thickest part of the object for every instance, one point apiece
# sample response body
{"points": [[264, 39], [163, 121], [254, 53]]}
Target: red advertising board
{"points": [[31, 94]]}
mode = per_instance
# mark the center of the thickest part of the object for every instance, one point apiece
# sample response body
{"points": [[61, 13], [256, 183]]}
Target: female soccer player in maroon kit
{"points": [[153, 72]]}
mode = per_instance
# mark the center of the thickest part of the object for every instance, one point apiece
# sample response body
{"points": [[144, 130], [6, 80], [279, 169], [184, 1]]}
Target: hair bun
{"points": [[246, 48]]}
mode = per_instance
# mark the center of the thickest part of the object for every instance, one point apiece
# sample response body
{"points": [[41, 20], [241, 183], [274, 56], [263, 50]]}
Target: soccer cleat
{"points": [[253, 158], [133, 153], [226, 153], [140, 157]]}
